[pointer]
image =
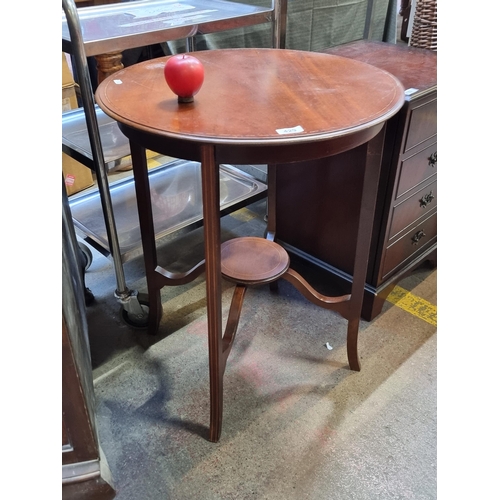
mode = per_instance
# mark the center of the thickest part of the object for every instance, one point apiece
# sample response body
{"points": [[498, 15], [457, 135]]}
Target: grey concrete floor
{"points": [[298, 424]]}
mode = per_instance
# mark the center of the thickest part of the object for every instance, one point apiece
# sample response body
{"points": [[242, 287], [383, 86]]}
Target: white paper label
{"points": [[410, 91], [291, 130]]}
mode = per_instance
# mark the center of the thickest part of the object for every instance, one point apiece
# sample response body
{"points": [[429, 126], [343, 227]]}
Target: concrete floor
{"points": [[298, 424]]}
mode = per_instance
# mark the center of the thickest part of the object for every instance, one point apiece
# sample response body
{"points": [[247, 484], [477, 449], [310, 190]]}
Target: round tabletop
{"points": [[256, 96]]}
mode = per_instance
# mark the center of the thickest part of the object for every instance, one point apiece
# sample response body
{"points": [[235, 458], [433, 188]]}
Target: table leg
{"points": [[368, 202], [271, 211], [211, 221], [271, 202], [145, 211]]}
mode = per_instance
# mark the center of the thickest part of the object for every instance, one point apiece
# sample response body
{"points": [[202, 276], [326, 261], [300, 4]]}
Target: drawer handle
{"points": [[426, 199], [417, 237], [433, 159]]}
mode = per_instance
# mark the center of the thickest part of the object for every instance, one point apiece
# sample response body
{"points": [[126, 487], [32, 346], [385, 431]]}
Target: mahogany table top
{"points": [[256, 96]]}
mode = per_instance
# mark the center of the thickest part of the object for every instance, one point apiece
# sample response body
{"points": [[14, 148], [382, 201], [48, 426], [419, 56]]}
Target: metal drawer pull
{"points": [[417, 237], [433, 159], [426, 199]]}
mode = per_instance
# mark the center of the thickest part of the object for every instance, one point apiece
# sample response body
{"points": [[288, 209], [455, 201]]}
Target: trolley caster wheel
{"points": [[87, 254], [139, 321]]}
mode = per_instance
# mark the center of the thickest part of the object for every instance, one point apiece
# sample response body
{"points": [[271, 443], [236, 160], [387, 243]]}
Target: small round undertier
{"points": [[253, 261]]}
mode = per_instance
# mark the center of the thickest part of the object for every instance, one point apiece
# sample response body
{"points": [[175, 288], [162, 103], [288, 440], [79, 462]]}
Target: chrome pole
{"points": [[279, 23], [122, 292]]}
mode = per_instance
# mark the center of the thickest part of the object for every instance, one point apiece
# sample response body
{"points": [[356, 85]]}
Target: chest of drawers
{"points": [[404, 232]]}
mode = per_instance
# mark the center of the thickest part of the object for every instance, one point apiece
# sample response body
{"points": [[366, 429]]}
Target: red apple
{"points": [[184, 75]]}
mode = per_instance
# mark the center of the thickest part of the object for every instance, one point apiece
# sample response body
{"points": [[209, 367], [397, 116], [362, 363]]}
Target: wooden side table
{"points": [[256, 105]]}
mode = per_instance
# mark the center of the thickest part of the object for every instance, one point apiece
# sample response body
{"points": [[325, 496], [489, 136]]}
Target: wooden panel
{"points": [[413, 208], [93, 489], [407, 246], [79, 440], [416, 169], [415, 68], [422, 124], [318, 206]]}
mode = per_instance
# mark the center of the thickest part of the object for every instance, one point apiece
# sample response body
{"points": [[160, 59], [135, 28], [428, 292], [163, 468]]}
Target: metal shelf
{"points": [[125, 25], [177, 204], [76, 140]]}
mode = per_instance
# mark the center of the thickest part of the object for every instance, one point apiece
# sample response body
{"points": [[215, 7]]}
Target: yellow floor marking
{"points": [[414, 305], [244, 215], [153, 162]]}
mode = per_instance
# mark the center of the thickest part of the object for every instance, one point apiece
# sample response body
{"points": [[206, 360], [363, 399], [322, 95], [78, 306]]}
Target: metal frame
{"points": [[76, 46]]}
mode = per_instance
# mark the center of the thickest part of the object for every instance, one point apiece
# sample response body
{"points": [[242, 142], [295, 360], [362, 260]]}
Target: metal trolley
{"points": [[107, 217]]}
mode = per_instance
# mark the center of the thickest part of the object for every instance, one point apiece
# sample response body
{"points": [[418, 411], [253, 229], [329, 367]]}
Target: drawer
{"points": [[422, 124], [410, 244], [416, 169], [408, 211]]}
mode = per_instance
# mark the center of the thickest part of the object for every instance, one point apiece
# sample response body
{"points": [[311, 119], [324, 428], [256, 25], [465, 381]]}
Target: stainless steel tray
{"points": [[75, 137], [125, 25], [177, 203]]}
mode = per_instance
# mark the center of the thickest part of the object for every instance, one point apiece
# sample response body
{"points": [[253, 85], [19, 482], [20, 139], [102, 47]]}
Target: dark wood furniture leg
{"points": [[271, 212], [211, 221], [368, 201], [145, 211], [271, 202]]}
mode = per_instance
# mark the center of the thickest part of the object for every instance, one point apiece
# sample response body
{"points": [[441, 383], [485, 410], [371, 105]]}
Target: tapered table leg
{"points": [[368, 201], [145, 212], [271, 202], [211, 217]]}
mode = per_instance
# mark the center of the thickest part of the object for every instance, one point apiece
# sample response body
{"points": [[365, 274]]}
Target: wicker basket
{"points": [[424, 30]]}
